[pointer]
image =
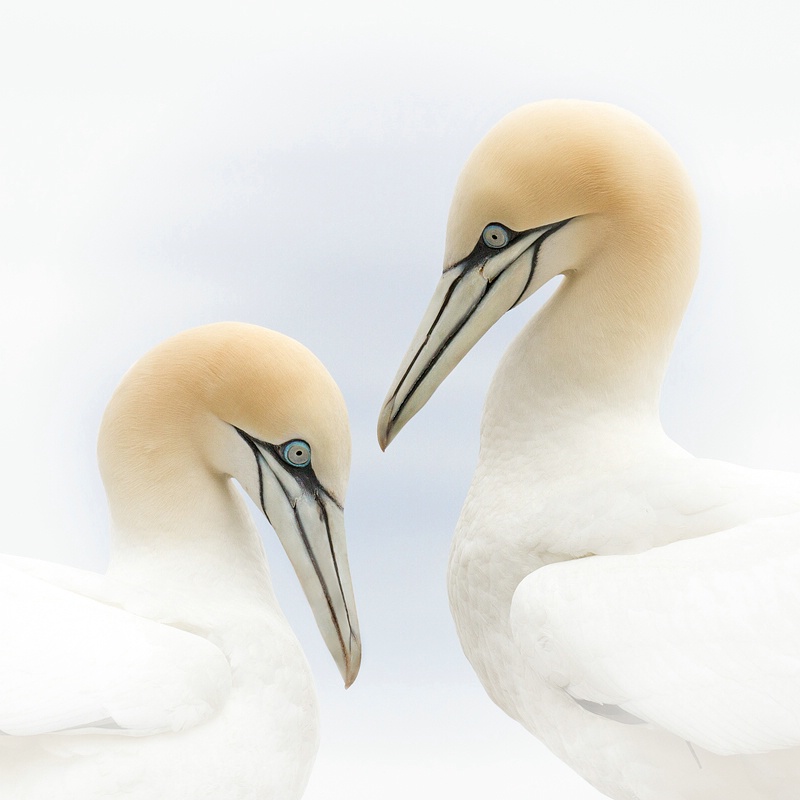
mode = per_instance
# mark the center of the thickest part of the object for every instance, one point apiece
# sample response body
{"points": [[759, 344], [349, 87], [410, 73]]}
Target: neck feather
{"points": [[599, 348], [171, 511]]}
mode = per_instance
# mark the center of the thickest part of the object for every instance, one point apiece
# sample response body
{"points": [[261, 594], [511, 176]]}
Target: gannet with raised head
{"points": [[636, 608], [176, 675]]}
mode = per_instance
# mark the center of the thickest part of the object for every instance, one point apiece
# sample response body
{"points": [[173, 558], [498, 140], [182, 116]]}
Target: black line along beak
{"points": [[309, 522], [470, 297]]}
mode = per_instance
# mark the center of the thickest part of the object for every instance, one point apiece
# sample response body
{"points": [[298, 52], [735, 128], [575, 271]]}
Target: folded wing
{"points": [[71, 663], [699, 637]]}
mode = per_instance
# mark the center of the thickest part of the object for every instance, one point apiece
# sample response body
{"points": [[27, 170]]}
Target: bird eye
{"points": [[297, 453], [495, 236]]}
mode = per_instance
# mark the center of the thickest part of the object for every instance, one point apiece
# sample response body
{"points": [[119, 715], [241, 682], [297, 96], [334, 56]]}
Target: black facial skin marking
{"points": [[310, 484], [477, 259]]}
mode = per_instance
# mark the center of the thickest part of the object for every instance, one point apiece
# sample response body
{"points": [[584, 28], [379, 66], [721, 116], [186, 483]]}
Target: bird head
{"points": [[239, 401], [550, 189]]}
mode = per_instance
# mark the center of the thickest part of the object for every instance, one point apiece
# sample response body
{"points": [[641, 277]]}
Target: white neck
{"points": [[176, 525], [594, 357]]}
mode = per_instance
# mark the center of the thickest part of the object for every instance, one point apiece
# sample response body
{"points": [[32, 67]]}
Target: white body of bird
{"points": [[634, 607], [176, 674]]}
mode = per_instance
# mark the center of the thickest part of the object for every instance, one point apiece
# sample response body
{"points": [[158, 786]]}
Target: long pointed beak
{"points": [[470, 297], [311, 529], [310, 525]]}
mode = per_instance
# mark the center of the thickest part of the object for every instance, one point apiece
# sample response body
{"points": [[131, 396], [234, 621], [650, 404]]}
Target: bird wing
{"points": [[700, 637], [70, 663]]}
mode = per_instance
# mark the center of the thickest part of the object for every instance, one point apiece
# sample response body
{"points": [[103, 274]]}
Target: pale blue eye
{"points": [[495, 236], [297, 453]]}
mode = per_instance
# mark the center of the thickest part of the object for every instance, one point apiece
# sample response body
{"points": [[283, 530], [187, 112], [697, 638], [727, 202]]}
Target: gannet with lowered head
{"points": [[634, 607], [176, 674]]}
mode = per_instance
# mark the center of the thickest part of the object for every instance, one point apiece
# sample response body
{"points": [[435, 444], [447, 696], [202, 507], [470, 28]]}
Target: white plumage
{"points": [[636, 608], [716, 666], [176, 674]]}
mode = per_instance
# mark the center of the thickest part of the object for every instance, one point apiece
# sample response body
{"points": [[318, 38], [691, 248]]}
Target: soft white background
{"points": [[168, 164]]}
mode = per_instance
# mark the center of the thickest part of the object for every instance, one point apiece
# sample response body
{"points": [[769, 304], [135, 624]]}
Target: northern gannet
{"points": [[176, 675], [636, 608]]}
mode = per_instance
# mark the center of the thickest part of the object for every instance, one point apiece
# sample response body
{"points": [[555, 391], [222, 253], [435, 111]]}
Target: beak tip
{"points": [[352, 665], [387, 427]]}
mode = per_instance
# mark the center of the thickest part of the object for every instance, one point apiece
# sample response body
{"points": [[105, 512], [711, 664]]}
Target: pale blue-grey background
{"points": [[168, 164]]}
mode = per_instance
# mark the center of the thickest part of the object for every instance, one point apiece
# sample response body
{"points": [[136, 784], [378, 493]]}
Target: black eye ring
{"points": [[297, 453]]}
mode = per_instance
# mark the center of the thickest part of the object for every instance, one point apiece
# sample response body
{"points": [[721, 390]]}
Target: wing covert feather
{"points": [[699, 636], [72, 664]]}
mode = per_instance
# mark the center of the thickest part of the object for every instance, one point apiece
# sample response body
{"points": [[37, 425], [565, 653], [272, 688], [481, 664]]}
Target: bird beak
{"points": [[471, 296], [310, 525], [311, 529]]}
